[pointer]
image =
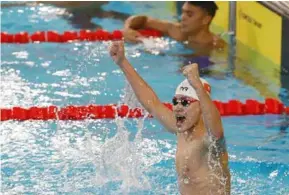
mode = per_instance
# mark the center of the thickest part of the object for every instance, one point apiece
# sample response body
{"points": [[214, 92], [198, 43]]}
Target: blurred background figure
{"points": [[79, 14]]}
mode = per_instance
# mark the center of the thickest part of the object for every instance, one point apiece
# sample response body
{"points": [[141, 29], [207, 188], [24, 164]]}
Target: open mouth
{"points": [[180, 120]]}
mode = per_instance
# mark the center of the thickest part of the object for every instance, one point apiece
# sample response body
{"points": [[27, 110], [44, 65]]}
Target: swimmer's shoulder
{"points": [[175, 31], [218, 42]]}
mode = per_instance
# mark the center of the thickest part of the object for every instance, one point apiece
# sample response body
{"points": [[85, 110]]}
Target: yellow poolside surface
{"points": [[259, 40]]}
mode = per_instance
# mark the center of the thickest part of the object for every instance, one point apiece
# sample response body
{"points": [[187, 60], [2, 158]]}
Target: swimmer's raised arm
{"points": [[141, 21], [134, 23], [142, 90], [212, 118]]}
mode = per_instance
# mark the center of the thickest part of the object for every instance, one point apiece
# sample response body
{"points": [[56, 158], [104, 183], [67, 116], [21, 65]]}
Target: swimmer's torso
{"points": [[200, 170], [201, 47]]}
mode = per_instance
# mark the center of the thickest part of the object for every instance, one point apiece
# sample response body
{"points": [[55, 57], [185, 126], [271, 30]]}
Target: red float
{"points": [[68, 36], [111, 111]]}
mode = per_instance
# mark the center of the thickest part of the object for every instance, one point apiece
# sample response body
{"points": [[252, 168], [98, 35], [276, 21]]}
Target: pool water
{"points": [[122, 156]]}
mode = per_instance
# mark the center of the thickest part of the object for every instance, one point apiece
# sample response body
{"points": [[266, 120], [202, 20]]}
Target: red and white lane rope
{"points": [[111, 111], [69, 36]]}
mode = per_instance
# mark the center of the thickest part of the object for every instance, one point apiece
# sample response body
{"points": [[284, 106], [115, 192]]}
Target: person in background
{"points": [[79, 13], [193, 29]]}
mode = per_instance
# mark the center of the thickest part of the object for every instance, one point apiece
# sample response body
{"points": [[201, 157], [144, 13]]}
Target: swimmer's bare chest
{"points": [[191, 158], [195, 176], [201, 47]]}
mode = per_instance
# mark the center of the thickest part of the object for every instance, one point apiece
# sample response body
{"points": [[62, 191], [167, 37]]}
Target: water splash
{"points": [[118, 159], [214, 163]]}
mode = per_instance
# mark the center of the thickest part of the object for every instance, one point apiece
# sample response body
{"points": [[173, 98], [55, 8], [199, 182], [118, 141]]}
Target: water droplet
{"points": [[186, 181]]}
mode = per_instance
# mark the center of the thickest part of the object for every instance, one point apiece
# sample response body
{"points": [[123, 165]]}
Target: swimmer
{"points": [[201, 157], [78, 13], [193, 29]]}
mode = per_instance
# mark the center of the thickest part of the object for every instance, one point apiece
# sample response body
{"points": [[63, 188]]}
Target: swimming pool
{"points": [[107, 156]]}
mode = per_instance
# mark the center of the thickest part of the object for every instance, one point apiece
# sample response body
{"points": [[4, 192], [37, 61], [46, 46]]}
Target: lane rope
{"points": [[230, 108], [69, 36], [111, 111]]}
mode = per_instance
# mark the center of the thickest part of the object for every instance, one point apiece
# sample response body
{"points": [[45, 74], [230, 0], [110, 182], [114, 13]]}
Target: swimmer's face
{"points": [[187, 112], [194, 18]]}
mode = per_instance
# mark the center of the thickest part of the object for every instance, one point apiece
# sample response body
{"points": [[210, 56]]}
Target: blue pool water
{"points": [[115, 156]]}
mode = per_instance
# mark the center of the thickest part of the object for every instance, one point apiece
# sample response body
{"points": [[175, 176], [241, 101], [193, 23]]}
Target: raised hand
{"points": [[192, 73], [116, 51]]}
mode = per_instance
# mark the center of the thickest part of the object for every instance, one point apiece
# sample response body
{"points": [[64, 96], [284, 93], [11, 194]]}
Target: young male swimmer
{"points": [[201, 157]]}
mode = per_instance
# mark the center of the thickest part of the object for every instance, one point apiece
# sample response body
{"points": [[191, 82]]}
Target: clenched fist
{"points": [[192, 73], [116, 51]]}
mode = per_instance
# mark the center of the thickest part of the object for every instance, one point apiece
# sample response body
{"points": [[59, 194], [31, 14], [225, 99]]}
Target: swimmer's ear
{"points": [[207, 20]]}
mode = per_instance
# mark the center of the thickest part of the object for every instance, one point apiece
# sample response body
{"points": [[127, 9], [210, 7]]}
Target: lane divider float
{"points": [[69, 36], [111, 111]]}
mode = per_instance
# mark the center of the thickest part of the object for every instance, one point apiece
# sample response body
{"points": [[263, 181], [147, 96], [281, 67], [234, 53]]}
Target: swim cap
{"points": [[186, 89]]}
